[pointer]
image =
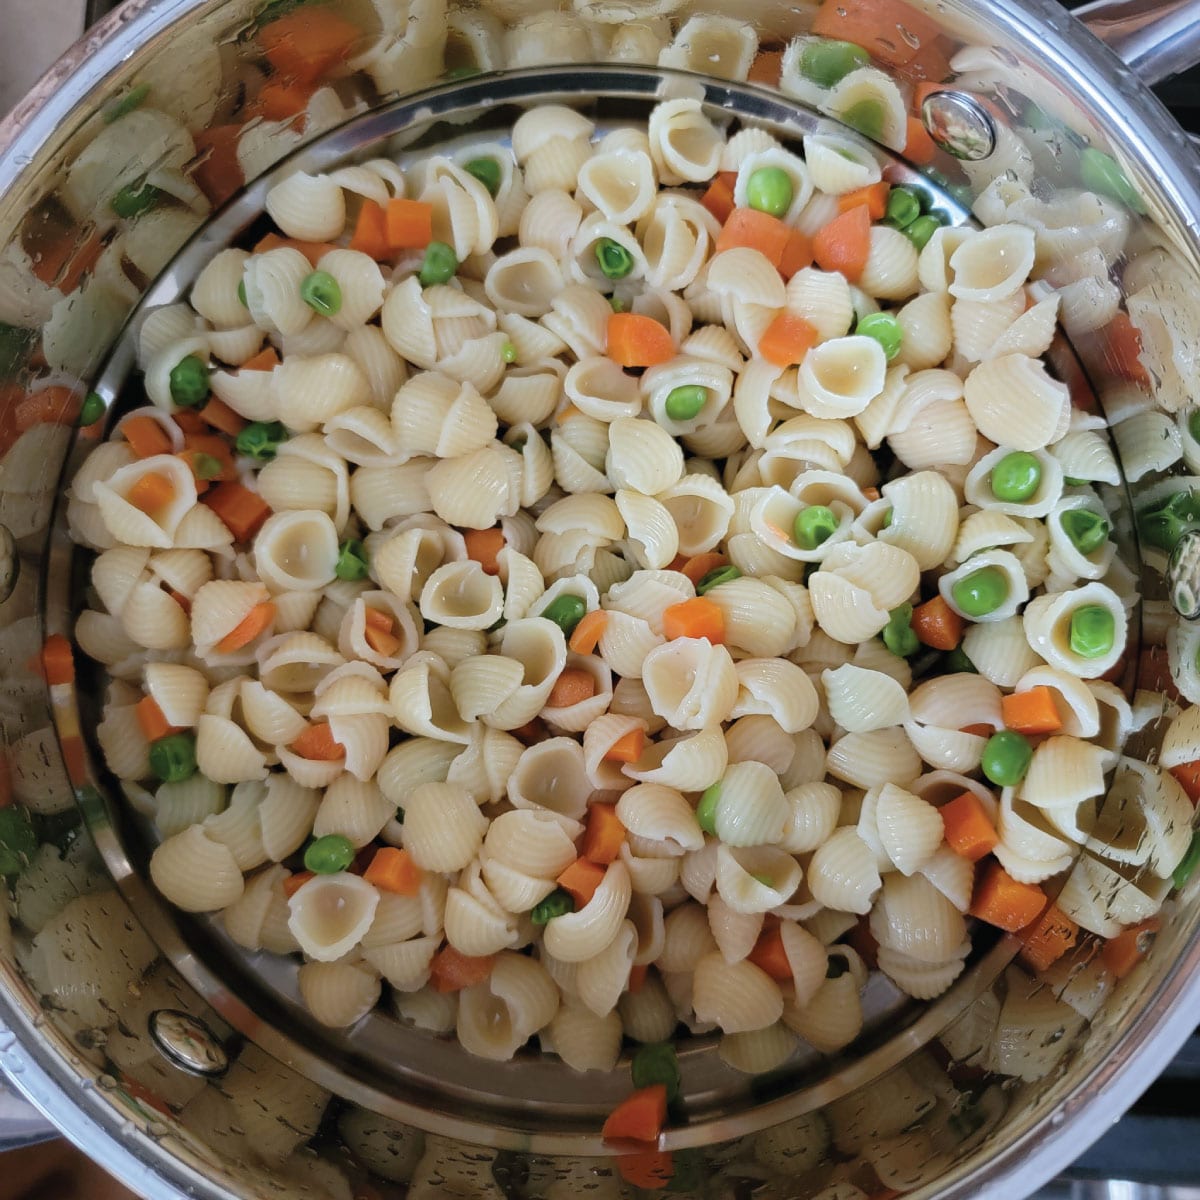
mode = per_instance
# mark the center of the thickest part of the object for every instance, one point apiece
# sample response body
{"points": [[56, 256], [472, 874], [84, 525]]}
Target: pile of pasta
{"points": [[605, 595]]}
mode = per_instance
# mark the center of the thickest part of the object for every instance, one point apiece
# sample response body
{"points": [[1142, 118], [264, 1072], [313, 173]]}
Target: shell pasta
{"points": [[596, 593]]}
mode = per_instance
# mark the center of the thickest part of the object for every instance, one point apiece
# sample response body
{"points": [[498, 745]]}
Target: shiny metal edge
{"points": [[1154, 38]]}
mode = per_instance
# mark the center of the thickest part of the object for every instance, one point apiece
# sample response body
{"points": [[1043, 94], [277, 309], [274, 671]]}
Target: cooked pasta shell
{"points": [[196, 873]]}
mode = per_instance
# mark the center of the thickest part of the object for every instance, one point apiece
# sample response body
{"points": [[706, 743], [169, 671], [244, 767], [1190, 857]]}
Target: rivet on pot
{"points": [[9, 563], [187, 1043], [1183, 575], [959, 124]]}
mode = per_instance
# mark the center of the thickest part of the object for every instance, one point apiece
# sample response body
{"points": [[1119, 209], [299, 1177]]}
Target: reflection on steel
{"points": [[960, 125], [9, 563], [188, 1043], [1155, 38], [1183, 575]]}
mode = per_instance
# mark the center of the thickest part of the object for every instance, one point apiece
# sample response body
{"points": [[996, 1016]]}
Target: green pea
{"points": [[614, 261], [957, 661], [716, 577], [921, 230], [329, 854], [463, 73], [1071, 481], [438, 265], [769, 189], [242, 294], [1092, 631], [763, 878], [1100, 172], [885, 329], [487, 171], [557, 904], [867, 117], [18, 840], [826, 62], [125, 104], [656, 1063], [684, 403], [1162, 527], [898, 634], [981, 592], [1006, 757], [1187, 864], [508, 352], [188, 382], [134, 199], [1193, 424], [813, 526], [260, 440], [616, 303], [706, 810], [91, 410], [1016, 477], [206, 466], [888, 517], [173, 758], [322, 293], [351, 562], [903, 207], [1087, 530], [566, 612]]}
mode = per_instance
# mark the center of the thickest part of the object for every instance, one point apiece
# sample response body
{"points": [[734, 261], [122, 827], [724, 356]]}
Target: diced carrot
{"points": [[787, 340], [640, 1117], [217, 171], [605, 835], [151, 720], [1031, 712], [58, 660], [281, 99], [267, 359], [936, 624], [293, 883], [382, 642], [370, 232], [769, 955], [581, 879], [870, 493], [187, 420], [919, 147], [313, 251], [766, 68], [627, 749], [50, 406], [649, 1171], [874, 196], [637, 978], [697, 618], [756, 230], [1001, 901], [220, 416], [393, 870], [843, 244], [967, 828], [451, 971], [980, 730], [573, 686], [59, 256], [151, 493], [637, 341], [699, 565], [719, 197], [304, 44], [893, 31], [797, 254], [376, 618], [1187, 775], [930, 64], [1048, 939], [586, 635], [242, 510], [316, 743], [146, 437], [1120, 954], [1123, 349], [409, 224], [483, 545], [531, 732], [257, 620], [214, 447]]}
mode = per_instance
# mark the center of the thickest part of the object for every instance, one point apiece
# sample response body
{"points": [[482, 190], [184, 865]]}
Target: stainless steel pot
{"points": [[189, 1072]]}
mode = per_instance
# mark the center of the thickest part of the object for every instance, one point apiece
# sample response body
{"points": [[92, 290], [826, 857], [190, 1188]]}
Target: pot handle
{"points": [[1154, 38]]}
